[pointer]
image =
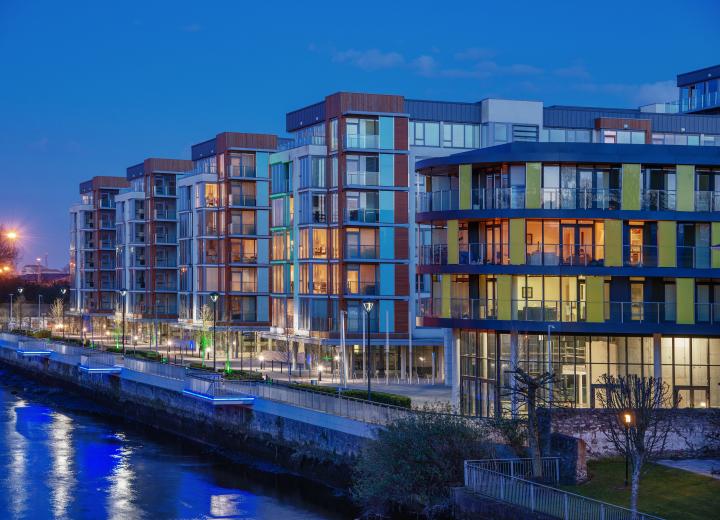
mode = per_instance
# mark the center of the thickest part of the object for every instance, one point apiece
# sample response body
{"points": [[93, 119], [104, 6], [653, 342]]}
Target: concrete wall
{"points": [[302, 440], [691, 432]]}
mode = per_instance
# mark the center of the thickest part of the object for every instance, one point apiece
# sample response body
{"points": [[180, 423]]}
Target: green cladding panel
{"points": [[613, 243], [667, 243], [685, 188], [504, 296], [715, 241], [465, 185], [452, 242], [532, 185], [631, 186], [517, 241], [595, 294], [685, 302]]}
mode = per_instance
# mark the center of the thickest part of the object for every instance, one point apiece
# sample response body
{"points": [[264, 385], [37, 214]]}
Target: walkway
{"points": [[700, 466]]}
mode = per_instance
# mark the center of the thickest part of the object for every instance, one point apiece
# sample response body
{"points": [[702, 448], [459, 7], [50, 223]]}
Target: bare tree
{"points": [[18, 311], [8, 248], [633, 421], [531, 390], [57, 312]]}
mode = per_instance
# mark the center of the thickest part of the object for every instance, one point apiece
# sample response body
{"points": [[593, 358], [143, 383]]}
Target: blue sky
{"points": [[88, 88]]}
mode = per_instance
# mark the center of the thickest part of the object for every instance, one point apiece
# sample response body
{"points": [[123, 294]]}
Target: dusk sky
{"points": [[90, 88]]}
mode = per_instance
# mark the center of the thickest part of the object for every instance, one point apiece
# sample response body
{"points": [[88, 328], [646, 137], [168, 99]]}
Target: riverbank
{"points": [[63, 455], [288, 437]]}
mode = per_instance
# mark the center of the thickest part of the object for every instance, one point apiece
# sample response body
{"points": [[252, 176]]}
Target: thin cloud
{"points": [[638, 94], [371, 59], [574, 71], [474, 54]]}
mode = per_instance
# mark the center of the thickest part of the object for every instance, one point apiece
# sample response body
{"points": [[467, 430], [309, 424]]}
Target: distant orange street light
{"points": [[12, 235]]}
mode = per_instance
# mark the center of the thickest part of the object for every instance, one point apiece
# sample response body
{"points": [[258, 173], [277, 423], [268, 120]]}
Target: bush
{"points": [[402, 401], [42, 334], [412, 465], [244, 375]]}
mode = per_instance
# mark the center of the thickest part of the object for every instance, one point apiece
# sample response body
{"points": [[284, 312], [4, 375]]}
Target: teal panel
{"points": [[262, 193], [387, 207], [387, 169], [263, 222], [387, 279], [387, 316], [387, 133], [387, 242], [263, 308], [262, 165]]}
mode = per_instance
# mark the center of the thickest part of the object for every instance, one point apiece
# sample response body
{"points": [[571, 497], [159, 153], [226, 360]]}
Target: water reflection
{"points": [[58, 462]]}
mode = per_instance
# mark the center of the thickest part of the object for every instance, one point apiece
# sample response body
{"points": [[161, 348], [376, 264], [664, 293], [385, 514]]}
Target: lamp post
{"points": [[40, 298], [123, 293], [11, 310], [63, 292], [549, 361], [627, 419], [214, 298], [368, 305]]}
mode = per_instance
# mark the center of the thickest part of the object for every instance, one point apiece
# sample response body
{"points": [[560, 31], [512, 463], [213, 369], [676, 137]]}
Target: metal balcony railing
{"points": [[362, 251], [242, 171], [707, 201], [362, 178], [165, 214], [238, 228], [361, 288], [362, 216], [242, 199], [657, 200], [362, 141], [164, 191]]}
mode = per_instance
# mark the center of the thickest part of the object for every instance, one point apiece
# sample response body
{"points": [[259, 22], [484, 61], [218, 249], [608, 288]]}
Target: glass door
{"points": [[567, 234]]}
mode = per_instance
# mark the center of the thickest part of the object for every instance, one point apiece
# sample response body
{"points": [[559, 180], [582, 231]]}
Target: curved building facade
{"points": [[586, 259]]}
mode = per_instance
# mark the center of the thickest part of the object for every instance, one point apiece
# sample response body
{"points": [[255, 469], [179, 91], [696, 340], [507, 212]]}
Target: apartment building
{"points": [[224, 235], [147, 241], [586, 258], [92, 248]]}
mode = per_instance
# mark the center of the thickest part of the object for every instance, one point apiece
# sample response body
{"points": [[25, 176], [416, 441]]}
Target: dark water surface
{"points": [[61, 457]]}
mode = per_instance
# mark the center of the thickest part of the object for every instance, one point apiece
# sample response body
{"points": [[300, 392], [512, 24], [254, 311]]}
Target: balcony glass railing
{"points": [[243, 258], [563, 311], [162, 238], [584, 198], [362, 215], [360, 288], [565, 254], [657, 200], [168, 285], [242, 171], [362, 251], [239, 228], [243, 316], [362, 178], [106, 204], [698, 102], [694, 256], [107, 244], [707, 201], [164, 191], [166, 262], [640, 256], [242, 199], [362, 141], [165, 214], [245, 287]]}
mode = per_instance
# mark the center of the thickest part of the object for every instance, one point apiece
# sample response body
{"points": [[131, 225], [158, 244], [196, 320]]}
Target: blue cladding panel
{"points": [[263, 251], [387, 242], [387, 207], [584, 117], [305, 117], [387, 133], [387, 169], [694, 76], [262, 280], [262, 165], [202, 150], [387, 279], [387, 316], [421, 110], [262, 194], [263, 222], [263, 308]]}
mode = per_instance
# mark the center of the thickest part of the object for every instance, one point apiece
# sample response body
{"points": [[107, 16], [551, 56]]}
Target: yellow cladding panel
{"points": [[613, 243], [685, 288], [504, 297], [715, 241], [465, 185], [685, 188], [667, 243], [631, 186], [595, 294], [452, 242], [446, 282], [517, 241], [533, 173]]}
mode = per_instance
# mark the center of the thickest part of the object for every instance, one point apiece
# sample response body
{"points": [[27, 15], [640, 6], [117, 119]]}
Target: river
{"points": [[62, 456]]}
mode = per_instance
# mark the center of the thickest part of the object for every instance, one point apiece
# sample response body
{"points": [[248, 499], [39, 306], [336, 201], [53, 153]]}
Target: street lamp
{"points": [[123, 293], [63, 292], [627, 419], [368, 305], [214, 298], [20, 291]]}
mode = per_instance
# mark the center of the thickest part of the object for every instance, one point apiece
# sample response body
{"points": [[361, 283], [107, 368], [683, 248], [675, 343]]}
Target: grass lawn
{"points": [[666, 492]]}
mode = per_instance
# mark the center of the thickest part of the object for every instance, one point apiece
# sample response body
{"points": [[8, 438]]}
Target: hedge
{"points": [[379, 397]]}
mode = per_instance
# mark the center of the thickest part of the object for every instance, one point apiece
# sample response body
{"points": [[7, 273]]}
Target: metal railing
{"points": [[362, 178], [242, 199], [362, 141], [162, 238], [361, 288], [707, 201], [238, 228], [363, 215], [694, 256], [565, 254], [544, 499], [165, 214], [657, 200], [521, 468], [164, 191], [100, 360], [168, 371], [580, 198], [362, 251], [242, 171]]}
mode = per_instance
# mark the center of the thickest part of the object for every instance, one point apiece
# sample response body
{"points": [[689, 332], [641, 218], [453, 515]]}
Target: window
{"points": [[333, 134], [525, 133]]}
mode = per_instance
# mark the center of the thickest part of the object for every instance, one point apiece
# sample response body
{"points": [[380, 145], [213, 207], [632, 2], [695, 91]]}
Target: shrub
{"points": [[244, 375], [412, 465], [42, 334], [381, 397], [513, 432]]}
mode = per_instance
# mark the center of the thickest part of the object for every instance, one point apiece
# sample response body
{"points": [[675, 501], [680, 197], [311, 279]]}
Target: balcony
{"points": [[362, 251], [566, 198], [657, 200], [165, 214], [166, 285], [164, 191], [88, 224], [694, 257], [362, 178], [165, 308], [568, 312], [362, 216], [640, 256], [241, 200], [169, 262], [565, 254], [107, 224], [707, 201], [241, 171], [164, 238], [239, 228], [369, 141], [243, 258], [107, 244], [244, 287], [356, 288], [106, 204], [246, 316]]}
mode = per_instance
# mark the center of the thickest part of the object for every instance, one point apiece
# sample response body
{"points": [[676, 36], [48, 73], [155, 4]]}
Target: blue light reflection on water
{"points": [[58, 462]]}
